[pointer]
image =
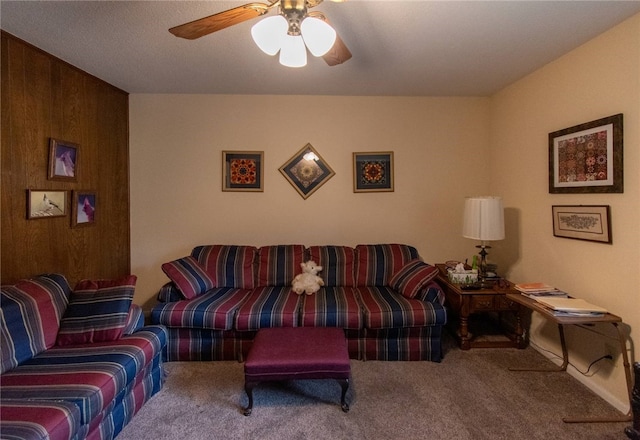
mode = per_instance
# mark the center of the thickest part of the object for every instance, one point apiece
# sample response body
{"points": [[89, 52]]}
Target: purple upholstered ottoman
{"points": [[289, 353]]}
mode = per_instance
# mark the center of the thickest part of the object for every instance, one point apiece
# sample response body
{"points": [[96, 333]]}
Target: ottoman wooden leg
{"points": [[248, 387], [344, 383]]}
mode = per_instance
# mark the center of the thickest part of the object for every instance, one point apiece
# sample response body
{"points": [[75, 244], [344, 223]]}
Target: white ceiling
{"points": [[403, 48]]}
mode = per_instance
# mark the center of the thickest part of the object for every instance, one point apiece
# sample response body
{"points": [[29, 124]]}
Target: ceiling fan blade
{"points": [[221, 20], [338, 54]]}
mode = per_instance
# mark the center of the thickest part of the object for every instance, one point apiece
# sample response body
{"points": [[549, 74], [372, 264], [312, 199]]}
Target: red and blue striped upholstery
{"points": [[98, 311], [384, 308], [93, 377], [403, 344], [269, 306], [378, 262], [229, 266], [412, 278], [338, 264], [188, 276], [169, 292], [30, 312], [135, 320], [212, 310], [37, 419], [278, 265], [332, 307]]}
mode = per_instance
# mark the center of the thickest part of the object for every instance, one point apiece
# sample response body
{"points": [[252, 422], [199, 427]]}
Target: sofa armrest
{"points": [[169, 293], [432, 293], [135, 320]]}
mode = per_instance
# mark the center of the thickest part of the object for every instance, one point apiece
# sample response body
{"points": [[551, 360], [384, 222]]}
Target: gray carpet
{"points": [[469, 395]]}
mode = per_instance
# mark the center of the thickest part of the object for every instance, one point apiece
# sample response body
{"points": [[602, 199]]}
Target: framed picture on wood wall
{"points": [[43, 203], [587, 158], [63, 160], [83, 208]]}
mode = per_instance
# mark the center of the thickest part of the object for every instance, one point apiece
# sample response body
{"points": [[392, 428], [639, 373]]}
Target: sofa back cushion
{"points": [[278, 265], [98, 311], [377, 263], [338, 264], [30, 313], [228, 266]]}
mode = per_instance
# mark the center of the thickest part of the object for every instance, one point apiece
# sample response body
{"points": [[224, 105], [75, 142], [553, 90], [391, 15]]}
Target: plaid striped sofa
{"points": [[75, 364], [383, 296]]}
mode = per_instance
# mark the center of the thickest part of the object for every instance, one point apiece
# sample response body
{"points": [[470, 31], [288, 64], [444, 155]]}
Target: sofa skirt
{"points": [[395, 344]]}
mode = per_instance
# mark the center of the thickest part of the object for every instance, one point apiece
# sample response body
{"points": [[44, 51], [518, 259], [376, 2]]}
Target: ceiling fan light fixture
{"points": [[293, 53], [268, 33], [318, 35]]}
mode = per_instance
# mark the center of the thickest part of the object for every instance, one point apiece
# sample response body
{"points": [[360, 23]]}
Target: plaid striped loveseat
{"points": [[383, 296], [75, 364]]}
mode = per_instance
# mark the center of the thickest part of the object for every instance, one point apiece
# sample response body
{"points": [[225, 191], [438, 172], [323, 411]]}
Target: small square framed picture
{"points": [[242, 170], [83, 208], [63, 160], [373, 172]]}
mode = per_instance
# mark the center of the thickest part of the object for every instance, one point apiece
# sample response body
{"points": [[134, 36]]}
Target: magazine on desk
{"points": [[536, 290]]}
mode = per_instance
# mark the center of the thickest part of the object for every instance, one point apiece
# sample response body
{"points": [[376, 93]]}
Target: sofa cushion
{"points": [[189, 276], [332, 307], [338, 264], [98, 311], [228, 266], [212, 310], [378, 262], [384, 308], [269, 306], [278, 265], [90, 376], [412, 278], [30, 313], [37, 419]]}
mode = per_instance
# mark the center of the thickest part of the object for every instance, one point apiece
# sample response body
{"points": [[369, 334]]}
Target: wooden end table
{"points": [[464, 303]]}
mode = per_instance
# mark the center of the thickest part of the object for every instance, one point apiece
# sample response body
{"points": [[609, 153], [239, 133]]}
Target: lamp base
{"points": [[482, 269]]}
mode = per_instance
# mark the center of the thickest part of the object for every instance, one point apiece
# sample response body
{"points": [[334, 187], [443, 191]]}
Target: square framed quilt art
{"points": [[373, 172], [242, 170], [307, 171]]}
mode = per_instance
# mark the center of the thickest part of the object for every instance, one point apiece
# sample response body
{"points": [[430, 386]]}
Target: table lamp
{"points": [[484, 221]]}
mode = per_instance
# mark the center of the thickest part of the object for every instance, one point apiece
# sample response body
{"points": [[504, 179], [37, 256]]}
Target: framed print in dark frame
{"points": [[63, 160], [83, 208], [582, 222], [242, 171], [373, 172], [307, 171], [587, 158], [44, 203]]}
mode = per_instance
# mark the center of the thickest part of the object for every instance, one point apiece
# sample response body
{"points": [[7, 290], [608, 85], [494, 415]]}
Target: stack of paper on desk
{"points": [[573, 306]]}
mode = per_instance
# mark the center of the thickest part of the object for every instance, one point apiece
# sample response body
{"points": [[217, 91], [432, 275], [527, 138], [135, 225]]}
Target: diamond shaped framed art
{"points": [[242, 170], [307, 171]]}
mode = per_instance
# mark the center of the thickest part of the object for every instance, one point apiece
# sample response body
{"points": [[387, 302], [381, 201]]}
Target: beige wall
{"points": [[599, 79], [440, 150], [445, 149]]}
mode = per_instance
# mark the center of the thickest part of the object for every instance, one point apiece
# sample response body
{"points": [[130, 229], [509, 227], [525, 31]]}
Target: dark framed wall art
{"points": [[582, 222], [83, 208], [373, 172], [587, 158], [242, 170], [63, 160]]}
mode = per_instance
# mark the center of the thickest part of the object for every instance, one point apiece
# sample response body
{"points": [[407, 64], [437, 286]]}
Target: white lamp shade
{"points": [[292, 51], [483, 218], [318, 35], [268, 33]]}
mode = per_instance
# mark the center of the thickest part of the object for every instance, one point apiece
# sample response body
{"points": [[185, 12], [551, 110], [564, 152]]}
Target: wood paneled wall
{"points": [[44, 97]]}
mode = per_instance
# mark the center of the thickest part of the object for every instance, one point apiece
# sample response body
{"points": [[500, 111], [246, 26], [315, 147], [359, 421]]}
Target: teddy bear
{"points": [[308, 281]]}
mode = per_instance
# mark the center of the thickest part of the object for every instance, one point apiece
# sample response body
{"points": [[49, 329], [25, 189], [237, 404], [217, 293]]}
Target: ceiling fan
{"points": [[287, 33]]}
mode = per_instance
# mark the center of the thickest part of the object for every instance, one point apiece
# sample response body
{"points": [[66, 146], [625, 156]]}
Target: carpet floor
{"points": [[469, 395]]}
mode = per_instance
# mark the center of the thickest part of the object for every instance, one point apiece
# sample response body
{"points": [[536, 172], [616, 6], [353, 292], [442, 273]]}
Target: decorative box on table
{"points": [[464, 277]]}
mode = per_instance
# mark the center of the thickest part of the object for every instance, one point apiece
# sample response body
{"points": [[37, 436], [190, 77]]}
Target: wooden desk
{"points": [[531, 304], [464, 303]]}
